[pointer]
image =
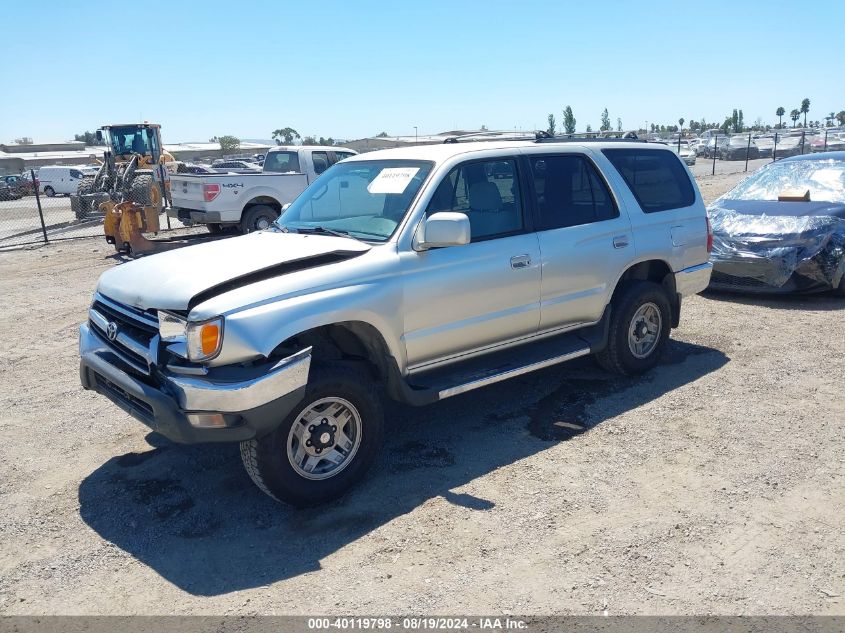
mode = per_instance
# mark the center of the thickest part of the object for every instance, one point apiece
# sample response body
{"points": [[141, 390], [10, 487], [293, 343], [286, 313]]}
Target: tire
{"points": [[257, 218], [81, 207], [141, 192], [215, 229], [632, 298], [49, 192], [269, 460]]}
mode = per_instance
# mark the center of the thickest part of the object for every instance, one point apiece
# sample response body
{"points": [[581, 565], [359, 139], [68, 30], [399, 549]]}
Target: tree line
{"points": [[733, 122]]}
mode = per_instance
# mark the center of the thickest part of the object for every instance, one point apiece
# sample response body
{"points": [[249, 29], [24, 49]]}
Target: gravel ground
{"points": [[712, 485]]}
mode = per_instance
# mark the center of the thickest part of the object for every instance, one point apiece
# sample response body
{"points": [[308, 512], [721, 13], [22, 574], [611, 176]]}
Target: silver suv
{"points": [[417, 274]]}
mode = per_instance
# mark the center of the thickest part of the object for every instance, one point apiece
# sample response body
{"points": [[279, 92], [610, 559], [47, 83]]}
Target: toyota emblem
{"points": [[111, 330]]}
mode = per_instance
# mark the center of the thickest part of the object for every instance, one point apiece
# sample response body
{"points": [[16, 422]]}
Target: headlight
{"points": [[204, 339], [171, 328]]}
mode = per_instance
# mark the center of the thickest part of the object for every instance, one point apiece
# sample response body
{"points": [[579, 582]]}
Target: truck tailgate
{"points": [[187, 190]]}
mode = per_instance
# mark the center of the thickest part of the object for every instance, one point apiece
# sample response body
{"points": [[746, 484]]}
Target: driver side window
{"points": [[487, 192]]}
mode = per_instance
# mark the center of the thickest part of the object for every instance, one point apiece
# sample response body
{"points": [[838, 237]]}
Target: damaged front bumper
{"points": [[228, 404]]}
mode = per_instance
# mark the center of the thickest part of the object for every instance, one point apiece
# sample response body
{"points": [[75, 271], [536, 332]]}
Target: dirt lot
{"points": [[712, 485]]}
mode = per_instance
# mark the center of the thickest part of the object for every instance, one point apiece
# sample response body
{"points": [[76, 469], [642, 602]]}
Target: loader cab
{"points": [[125, 140]]}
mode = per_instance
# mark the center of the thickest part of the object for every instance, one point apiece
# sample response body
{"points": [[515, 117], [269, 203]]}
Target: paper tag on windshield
{"points": [[392, 180]]}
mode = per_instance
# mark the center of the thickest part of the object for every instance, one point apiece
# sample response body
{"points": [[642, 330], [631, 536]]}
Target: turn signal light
{"points": [[204, 339], [209, 338]]}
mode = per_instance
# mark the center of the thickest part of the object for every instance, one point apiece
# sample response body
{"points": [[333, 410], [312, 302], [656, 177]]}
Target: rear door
{"points": [[666, 211], [585, 239]]}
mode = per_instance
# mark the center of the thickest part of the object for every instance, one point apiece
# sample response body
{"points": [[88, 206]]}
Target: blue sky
{"points": [[353, 68]]}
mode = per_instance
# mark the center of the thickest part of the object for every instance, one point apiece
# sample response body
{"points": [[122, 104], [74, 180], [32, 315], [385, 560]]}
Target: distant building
{"points": [[16, 158], [388, 142]]}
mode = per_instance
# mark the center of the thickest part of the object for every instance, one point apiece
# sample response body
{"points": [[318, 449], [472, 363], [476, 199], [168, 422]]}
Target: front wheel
{"points": [[325, 445], [639, 328]]}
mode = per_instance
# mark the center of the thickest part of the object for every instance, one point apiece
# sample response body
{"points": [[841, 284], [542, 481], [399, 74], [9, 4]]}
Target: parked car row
{"points": [[789, 143]]}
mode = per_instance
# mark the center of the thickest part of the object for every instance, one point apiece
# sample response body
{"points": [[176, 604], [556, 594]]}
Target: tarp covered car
{"points": [[783, 228]]}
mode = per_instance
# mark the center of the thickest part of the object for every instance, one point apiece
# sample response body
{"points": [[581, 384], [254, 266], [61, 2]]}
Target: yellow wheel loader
{"points": [[130, 187]]}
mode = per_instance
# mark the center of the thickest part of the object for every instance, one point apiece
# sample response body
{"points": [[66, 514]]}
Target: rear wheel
{"points": [[258, 218], [49, 191], [325, 445], [639, 328], [79, 205]]}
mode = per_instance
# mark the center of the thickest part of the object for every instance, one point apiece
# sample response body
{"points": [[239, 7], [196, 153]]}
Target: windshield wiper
{"points": [[321, 230]]}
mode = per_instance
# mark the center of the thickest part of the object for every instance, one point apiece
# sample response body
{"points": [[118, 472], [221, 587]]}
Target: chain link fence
{"points": [[748, 151], [40, 213]]}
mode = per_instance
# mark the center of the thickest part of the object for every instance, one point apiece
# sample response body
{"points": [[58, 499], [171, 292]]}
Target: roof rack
{"points": [[542, 136]]}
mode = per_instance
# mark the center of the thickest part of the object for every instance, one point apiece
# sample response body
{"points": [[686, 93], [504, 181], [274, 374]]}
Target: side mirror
{"points": [[445, 228]]}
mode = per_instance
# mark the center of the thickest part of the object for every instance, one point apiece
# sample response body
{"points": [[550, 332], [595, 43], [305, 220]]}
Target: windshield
{"points": [[132, 140], [366, 199], [824, 178]]}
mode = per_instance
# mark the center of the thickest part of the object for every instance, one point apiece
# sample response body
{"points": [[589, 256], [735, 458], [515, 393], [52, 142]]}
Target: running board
{"points": [[492, 368], [512, 373]]}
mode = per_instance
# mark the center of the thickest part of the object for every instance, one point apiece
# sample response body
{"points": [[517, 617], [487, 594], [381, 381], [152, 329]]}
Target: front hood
{"points": [[182, 278]]}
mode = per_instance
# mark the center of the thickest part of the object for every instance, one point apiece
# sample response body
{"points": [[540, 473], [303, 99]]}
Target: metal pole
{"points": [[825, 140], [802, 140], [167, 202], [747, 149], [715, 146], [775, 149], [38, 201]]}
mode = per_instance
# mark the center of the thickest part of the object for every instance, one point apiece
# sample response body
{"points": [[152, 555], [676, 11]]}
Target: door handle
{"points": [[620, 241], [520, 261]]}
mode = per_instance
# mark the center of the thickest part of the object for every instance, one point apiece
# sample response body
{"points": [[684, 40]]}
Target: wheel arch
{"points": [[262, 199], [658, 271], [354, 341]]}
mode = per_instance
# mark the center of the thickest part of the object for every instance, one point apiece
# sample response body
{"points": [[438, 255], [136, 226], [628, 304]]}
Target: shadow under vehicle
{"points": [[191, 514]]}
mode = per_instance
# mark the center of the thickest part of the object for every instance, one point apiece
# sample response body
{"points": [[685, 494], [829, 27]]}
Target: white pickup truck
{"points": [[250, 202]]}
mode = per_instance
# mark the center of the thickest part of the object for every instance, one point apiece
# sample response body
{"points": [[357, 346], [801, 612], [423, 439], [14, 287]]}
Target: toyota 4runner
{"points": [[417, 274]]}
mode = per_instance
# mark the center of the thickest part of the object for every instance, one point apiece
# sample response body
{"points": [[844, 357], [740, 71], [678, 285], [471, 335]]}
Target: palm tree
{"points": [[780, 112], [794, 115], [840, 117], [805, 108]]}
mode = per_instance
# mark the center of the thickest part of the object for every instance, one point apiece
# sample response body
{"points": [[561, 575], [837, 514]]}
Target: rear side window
{"points": [[569, 192], [657, 178], [321, 161]]}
